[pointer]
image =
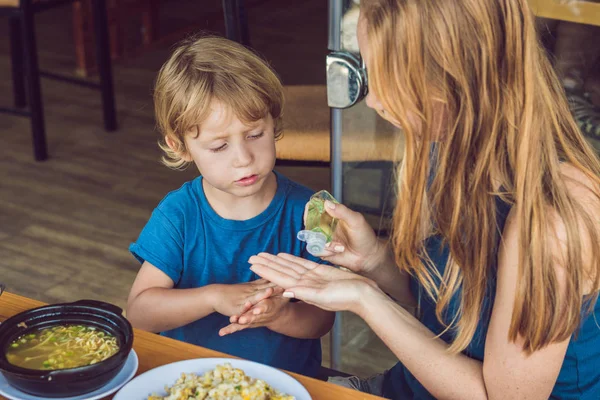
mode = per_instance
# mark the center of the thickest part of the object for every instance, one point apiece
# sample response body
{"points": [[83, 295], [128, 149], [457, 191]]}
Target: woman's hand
{"points": [[354, 244], [323, 286]]}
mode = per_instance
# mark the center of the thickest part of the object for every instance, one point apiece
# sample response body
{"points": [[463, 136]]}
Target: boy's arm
{"points": [[154, 305], [301, 320]]}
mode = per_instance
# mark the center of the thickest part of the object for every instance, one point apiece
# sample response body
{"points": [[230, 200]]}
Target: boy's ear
{"points": [[179, 149]]}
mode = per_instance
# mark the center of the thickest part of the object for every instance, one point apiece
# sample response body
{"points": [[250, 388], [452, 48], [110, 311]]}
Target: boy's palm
{"points": [[262, 314], [238, 298]]}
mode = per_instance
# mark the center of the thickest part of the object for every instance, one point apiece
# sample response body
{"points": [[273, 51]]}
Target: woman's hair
{"points": [[203, 69], [507, 127]]}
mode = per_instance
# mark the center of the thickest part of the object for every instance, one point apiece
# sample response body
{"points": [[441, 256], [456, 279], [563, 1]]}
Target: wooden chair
{"points": [[306, 136], [26, 72], [583, 12]]}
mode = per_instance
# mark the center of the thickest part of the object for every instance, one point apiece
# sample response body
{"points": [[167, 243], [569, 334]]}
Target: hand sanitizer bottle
{"points": [[320, 226]]}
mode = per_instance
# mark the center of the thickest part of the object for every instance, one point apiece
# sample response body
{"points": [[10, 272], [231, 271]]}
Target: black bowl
{"points": [[73, 381]]}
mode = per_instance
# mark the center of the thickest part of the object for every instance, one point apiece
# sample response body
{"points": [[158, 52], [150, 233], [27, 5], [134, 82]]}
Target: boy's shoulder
{"points": [[295, 192], [180, 199]]}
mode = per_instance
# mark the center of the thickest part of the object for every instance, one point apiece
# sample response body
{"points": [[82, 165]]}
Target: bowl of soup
{"points": [[64, 350]]}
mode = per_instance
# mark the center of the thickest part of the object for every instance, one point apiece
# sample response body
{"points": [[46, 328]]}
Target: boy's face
{"points": [[233, 157]]}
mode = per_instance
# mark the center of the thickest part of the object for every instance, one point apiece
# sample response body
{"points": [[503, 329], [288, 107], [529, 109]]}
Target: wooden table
{"points": [[154, 350]]}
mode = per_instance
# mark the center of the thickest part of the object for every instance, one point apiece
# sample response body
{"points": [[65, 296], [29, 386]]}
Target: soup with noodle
{"points": [[61, 347]]}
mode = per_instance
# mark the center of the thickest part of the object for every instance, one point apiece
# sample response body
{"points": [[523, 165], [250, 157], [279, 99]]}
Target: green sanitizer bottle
{"points": [[320, 226]]}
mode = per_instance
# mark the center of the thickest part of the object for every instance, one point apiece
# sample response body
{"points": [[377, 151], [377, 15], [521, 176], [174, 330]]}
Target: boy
{"points": [[219, 106]]}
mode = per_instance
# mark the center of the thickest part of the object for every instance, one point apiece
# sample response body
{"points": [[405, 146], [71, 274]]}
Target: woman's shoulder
{"points": [[582, 187], [565, 231]]}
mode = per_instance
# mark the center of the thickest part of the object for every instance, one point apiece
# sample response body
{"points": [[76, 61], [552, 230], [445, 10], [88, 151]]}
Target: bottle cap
{"points": [[315, 241]]}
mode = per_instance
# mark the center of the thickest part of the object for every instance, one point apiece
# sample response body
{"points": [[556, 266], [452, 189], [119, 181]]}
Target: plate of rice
{"points": [[213, 379]]}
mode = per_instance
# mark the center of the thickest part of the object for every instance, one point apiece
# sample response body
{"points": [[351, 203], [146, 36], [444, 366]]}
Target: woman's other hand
{"points": [[321, 285], [355, 245]]}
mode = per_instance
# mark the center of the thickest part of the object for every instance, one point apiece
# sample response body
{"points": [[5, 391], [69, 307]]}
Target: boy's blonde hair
{"points": [[203, 69]]}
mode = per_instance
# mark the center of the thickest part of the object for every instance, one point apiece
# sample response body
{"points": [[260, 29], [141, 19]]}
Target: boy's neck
{"points": [[236, 208]]}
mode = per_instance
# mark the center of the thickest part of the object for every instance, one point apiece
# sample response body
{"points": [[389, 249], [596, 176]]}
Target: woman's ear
{"points": [[178, 148]]}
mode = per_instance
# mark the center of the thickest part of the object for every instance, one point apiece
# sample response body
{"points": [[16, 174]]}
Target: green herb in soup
{"points": [[61, 347]]}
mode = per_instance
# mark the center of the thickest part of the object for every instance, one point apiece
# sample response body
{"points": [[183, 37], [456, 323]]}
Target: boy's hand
{"points": [[263, 313], [238, 298]]}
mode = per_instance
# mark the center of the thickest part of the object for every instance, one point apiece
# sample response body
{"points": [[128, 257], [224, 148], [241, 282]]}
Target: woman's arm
{"points": [[507, 371], [356, 247], [386, 274]]}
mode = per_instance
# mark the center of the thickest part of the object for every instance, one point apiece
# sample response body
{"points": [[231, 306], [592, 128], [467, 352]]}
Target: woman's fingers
{"points": [[305, 213], [308, 294], [343, 213], [289, 261], [271, 268], [301, 265], [262, 284], [335, 247], [280, 276]]}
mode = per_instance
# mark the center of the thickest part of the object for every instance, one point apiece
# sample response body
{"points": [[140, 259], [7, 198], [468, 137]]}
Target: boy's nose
{"points": [[243, 157]]}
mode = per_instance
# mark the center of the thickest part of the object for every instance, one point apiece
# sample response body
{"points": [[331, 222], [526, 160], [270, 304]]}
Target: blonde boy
{"points": [[219, 106]]}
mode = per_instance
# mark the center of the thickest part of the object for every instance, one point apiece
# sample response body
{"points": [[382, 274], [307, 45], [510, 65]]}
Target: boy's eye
{"points": [[257, 135], [220, 148]]}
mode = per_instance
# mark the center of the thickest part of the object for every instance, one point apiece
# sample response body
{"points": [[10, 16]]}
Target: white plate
{"points": [[154, 381], [126, 373]]}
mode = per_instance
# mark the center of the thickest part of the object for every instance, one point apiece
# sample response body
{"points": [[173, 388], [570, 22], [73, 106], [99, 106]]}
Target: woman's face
{"points": [[439, 110]]}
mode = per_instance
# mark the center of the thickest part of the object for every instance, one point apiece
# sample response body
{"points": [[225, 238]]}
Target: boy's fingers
{"points": [[246, 320], [262, 308], [247, 306], [277, 291], [257, 311], [260, 296], [229, 329]]}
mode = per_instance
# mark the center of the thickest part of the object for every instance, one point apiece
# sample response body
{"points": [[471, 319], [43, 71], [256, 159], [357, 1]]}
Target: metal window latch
{"points": [[346, 79]]}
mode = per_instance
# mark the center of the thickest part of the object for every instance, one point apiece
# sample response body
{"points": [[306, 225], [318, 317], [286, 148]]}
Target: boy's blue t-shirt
{"points": [[187, 240]]}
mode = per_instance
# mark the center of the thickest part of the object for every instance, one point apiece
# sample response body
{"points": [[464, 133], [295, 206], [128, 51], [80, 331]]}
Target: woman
{"points": [[497, 213]]}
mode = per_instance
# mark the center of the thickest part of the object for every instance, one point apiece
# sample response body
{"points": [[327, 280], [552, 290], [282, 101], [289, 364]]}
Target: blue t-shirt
{"points": [[187, 240]]}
